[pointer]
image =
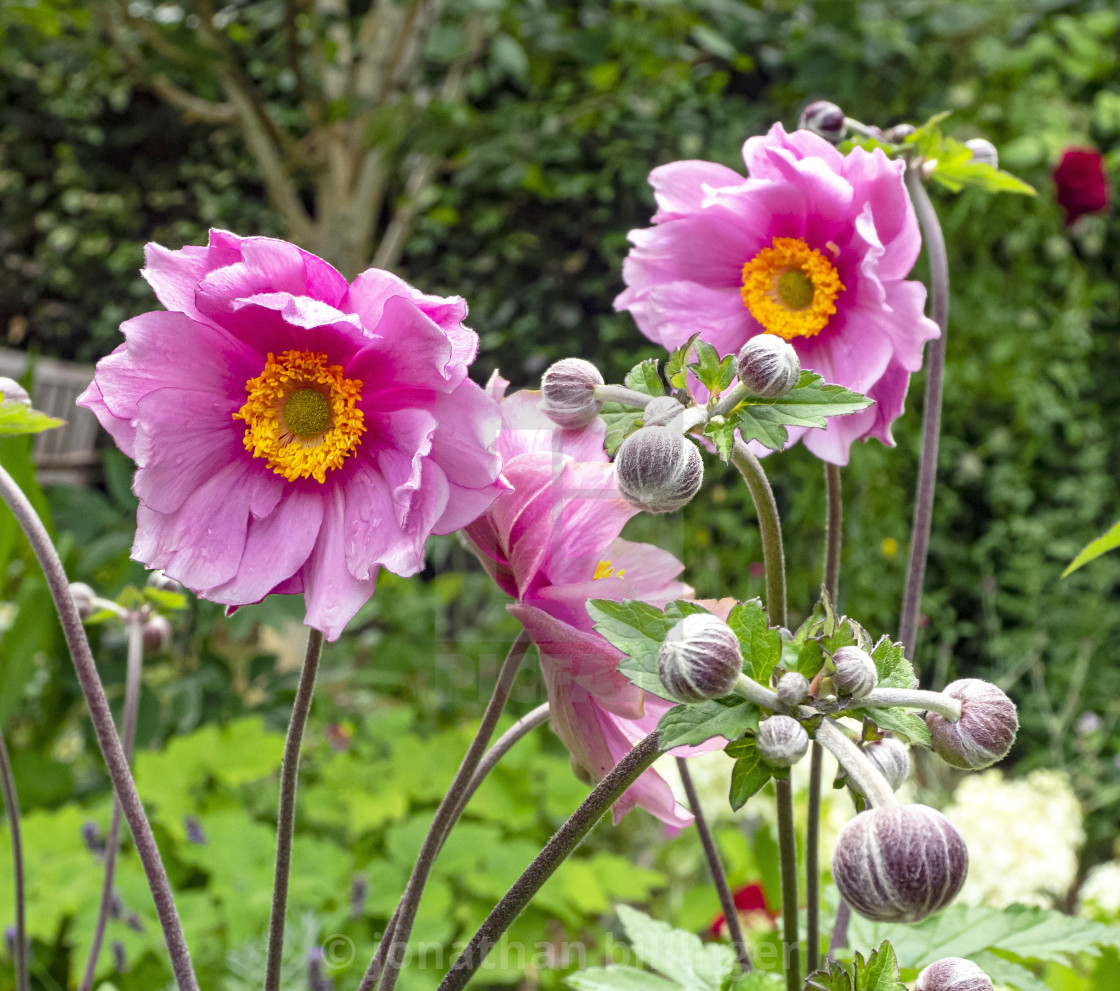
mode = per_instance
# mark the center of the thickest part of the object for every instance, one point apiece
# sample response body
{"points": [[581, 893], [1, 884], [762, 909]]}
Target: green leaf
{"points": [[620, 422], [748, 775], [19, 418], [836, 977], [638, 630], [1106, 542], [675, 364], [953, 164], [643, 377], [894, 670], [677, 954], [1003, 971], [810, 404], [721, 432], [713, 373], [880, 971], [900, 721], [761, 644], [810, 659], [619, 979], [1028, 933], [688, 725]]}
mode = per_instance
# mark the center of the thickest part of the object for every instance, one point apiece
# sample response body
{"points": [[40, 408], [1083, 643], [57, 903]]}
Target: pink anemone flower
{"points": [[814, 246], [294, 432], [553, 543]]}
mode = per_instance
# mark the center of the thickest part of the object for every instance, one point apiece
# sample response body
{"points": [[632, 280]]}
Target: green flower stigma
{"points": [[795, 288], [307, 413]]}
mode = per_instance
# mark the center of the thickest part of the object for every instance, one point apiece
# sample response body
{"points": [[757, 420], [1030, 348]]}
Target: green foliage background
{"points": [[546, 172]]}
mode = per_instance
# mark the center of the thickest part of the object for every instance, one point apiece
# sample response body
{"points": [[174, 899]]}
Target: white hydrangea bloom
{"points": [[1023, 837], [1099, 897]]}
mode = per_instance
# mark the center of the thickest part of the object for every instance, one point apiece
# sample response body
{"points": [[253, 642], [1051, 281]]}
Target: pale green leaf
{"points": [[643, 377], [894, 670], [619, 979], [761, 644], [1106, 542], [19, 418], [679, 955], [689, 725]]}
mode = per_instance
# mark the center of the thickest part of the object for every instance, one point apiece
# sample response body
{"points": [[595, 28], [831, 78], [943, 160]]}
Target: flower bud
{"points": [[953, 974], [768, 366], [899, 863], [13, 392], [160, 580], [855, 673], [983, 151], [700, 659], [157, 634], [899, 133], [568, 393], [664, 411], [985, 731], [825, 119], [83, 597], [658, 469], [793, 688], [892, 758], [781, 741]]}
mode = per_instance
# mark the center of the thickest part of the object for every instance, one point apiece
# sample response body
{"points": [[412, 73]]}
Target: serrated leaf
{"points": [[758, 423], [749, 774], [676, 362], [721, 432], [880, 971], [895, 671], [689, 725], [620, 422], [761, 644], [1026, 932], [836, 977], [955, 175], [678, 955], [809, 404], [643, 377], [638, 630], [1104, 543], [19, 418], [619, 978], [810, 659], [708, 367], [902, 722]]}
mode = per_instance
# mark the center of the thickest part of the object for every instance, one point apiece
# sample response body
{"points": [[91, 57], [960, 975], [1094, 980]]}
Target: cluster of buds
{"points": [[700, 659]]}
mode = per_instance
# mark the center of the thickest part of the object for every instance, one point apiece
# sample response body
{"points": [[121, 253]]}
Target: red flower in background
{"points": [[1081, 183], [754, 913]]}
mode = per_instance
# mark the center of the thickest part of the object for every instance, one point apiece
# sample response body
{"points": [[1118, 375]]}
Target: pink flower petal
{"points": [[679, 186]]}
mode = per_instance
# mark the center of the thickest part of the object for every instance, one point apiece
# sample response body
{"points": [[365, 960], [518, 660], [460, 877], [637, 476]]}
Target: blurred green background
{"points": [[499, 150]]}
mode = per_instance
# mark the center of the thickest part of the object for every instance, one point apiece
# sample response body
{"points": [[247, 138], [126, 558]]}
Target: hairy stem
{"points": [[833, 535], [563, 842], [11, 803], [787, 851], [931, 411], [134, 665], [866, 777], [911, 698], [449, 808], [286, 818], [621, 395], [106, 732], [715, 866], [770, 527]]}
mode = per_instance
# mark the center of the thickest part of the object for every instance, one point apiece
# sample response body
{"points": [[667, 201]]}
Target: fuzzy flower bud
{"points": [[568, 393], [983, 151], [768, 366], [157, 634], [793, 688], [985, 731], [658, 469], [781, 741], [855, 673], [892, 758], [664, 411], [899, 133], [83, 597], [899, 863], [159, 580], [13, 392], [825, 119], [953, 974], [700, 658]]}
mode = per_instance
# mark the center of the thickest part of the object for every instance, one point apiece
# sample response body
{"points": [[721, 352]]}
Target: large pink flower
{"points": [[294, 432], [552, 544], [814, 246]]}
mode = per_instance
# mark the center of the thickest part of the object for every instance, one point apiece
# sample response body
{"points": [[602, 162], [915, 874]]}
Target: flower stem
{"points": [[107, 738], [715, 866], [563, 842], [134, 622], [866, 777], [931, 411], [770, 527], [787, 851], [621, 395], [445, 817], [286, 818], [525, 725], [833, 533], [11, 803], [910, 698]]}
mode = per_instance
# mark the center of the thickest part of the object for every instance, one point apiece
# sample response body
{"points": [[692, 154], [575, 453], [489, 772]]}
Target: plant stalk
{"points": [[286, 817], [866, 777], [11, 803], [715, 866], [563, 842], [770, 527], [389, 962], [931, 411], [107, 738], [787, 851]]}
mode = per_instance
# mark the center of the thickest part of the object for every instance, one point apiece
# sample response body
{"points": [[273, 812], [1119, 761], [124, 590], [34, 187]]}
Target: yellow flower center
{"points": [[302, 415], [604, 570], [790, 288]]}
